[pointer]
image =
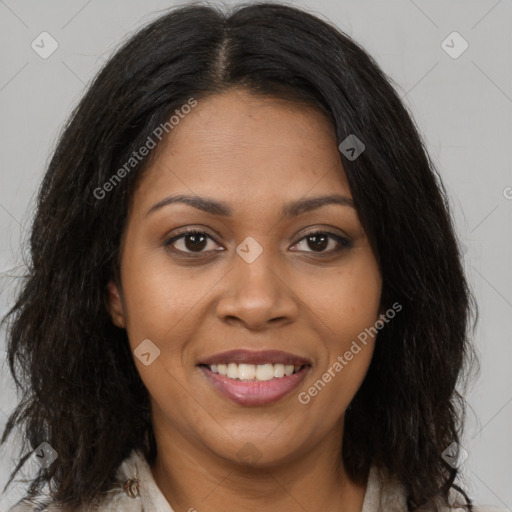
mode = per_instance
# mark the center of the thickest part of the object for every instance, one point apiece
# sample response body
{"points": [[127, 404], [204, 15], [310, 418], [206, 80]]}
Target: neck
{"points": [[194, 479]]}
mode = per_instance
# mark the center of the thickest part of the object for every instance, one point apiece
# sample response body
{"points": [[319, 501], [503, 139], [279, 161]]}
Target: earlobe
{"points": [[115, 305]]}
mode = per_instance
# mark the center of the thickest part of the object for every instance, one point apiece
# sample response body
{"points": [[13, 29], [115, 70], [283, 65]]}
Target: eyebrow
{"points": [[215, 207]]}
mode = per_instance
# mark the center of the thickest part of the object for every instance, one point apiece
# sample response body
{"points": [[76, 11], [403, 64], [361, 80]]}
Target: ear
{"points": [[115, 305]]}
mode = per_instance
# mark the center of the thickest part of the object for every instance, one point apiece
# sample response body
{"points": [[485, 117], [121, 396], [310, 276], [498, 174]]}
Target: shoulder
{"points": [[116, 499], [114, 503], [477, 508], [488, 508], [458, 507], [385, 493], [40, 503]]}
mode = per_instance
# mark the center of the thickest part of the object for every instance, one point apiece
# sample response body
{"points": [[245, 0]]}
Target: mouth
{"points": [[255, 378], [258, 372]]}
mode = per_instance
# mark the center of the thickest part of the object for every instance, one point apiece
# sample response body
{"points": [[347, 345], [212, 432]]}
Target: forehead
{"points": [[245, 146]]}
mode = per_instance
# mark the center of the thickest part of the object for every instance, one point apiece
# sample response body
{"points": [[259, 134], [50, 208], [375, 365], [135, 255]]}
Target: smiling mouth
{"points": [[254, 372], [254, 378], [255, 392]]}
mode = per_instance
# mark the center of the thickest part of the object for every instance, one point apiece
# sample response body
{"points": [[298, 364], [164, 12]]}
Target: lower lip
{"points": [[254, 392]]}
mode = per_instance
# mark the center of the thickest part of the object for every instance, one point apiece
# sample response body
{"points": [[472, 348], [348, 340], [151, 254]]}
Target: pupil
{"points": [[197, 243], [322, 245]]}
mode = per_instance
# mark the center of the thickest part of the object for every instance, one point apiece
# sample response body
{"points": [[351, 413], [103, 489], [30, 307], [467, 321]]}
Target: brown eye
{"points": [[318, 241], [192, 241]]}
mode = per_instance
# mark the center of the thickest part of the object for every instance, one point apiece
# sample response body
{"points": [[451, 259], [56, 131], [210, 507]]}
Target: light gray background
{"points": [[462, 106]]}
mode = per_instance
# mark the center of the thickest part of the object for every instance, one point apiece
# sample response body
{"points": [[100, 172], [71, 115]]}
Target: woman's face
{"points": [[254, 279]]}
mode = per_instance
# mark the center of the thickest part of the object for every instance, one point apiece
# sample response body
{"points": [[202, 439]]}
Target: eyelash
{"points": [[344, 243]]}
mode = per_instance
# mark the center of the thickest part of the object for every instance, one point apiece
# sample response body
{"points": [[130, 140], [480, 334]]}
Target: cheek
{"points": [[348, 307], [156, 297], [172, 401], [159, 306], [346, 301], [332, 390], [360, 289]]}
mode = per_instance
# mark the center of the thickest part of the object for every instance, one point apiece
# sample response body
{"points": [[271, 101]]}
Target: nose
{"points": [[257, 295]]}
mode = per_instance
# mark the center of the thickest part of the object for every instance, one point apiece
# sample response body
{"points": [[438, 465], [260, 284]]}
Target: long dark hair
{"points": [[81, 391]]}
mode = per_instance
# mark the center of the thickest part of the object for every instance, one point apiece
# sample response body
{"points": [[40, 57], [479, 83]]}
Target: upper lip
{"points": [[256, 357]]}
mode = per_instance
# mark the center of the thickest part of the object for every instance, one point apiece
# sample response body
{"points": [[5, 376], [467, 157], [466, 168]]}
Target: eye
{"points": [[191, 241], [320, 240], [196, 241]]}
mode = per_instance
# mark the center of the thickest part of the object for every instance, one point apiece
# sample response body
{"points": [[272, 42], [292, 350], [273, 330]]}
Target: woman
{"points": [[245, 290]]}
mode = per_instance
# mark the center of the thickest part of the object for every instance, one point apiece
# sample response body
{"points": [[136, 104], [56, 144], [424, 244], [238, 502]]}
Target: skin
{"points": [[255, 154]]}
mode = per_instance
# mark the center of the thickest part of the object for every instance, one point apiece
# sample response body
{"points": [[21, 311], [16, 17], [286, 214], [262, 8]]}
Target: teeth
{"points": [[232, 372], [261, 372]]}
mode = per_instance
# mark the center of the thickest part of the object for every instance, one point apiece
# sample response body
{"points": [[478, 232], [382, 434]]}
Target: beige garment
{"points": [[383, 494]]}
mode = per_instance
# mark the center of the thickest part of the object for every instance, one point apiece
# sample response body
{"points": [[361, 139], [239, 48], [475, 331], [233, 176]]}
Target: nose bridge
{"points": [[255, 268], [256, 294]]}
